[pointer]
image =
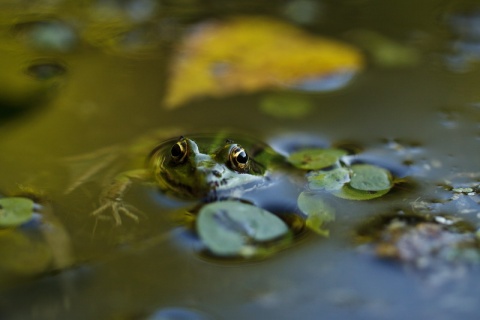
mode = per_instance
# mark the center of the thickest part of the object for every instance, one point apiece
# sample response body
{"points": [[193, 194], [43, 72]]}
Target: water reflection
{"points": [[303, 11], [325, 278], [48, 35], [24, 88], [439, 247], [46, 70], [464, 47], [178, 314]]}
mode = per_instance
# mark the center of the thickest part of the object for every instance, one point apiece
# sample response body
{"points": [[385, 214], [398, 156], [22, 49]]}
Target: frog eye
{"points": [[238, 158], [179, 151]]}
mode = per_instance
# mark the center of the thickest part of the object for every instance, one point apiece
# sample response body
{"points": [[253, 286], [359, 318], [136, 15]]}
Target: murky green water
{"points": [[96, 89]]}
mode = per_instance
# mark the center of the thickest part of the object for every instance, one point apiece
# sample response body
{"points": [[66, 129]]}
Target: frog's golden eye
{"points": [[179, 151], [238, 158]]}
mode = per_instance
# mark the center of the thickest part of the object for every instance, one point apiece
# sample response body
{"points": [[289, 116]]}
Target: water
{"points": [[101, 83]]}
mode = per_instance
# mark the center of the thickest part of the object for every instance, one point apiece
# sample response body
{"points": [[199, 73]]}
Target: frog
{"points": [[200, 167], [209, 167]]}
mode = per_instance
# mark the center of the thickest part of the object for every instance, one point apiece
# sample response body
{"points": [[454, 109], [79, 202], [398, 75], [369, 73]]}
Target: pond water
{"points": [[97, 83]]}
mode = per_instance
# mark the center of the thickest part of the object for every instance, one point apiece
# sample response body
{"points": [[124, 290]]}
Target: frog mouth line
{"points": [[186, 190]]}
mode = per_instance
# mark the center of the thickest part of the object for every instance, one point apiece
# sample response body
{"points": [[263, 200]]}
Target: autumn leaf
{"points": [[247, 54]]}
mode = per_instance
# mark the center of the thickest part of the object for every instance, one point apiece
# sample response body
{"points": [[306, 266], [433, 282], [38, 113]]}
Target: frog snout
{"points": [[216, 173], [208, 169]]}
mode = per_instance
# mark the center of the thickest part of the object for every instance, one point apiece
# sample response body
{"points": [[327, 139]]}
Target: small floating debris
{"points": [[425, 242]]}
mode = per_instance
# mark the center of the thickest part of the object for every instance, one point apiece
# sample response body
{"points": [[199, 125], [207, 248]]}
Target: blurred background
{"points": [[397, 80]]}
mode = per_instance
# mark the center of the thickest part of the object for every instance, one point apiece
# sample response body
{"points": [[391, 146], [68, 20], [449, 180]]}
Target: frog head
{"points": [[205, 167]]}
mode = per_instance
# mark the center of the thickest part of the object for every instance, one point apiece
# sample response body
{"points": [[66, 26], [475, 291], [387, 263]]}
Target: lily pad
{"points": [[232, 228], [368, 177], [15, 211], [318, 212], [328, 180], [349, 193], [315, 159]]}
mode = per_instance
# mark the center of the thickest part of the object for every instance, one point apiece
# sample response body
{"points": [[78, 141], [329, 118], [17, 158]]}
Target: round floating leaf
{"points": [[349, 193], [317, 211], [315, 159], [14, 211], [328, 180], [368, 177], [230, 228]]}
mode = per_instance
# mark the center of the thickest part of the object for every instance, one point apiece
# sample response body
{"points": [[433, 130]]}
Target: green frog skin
{"points": [[200, 167]]}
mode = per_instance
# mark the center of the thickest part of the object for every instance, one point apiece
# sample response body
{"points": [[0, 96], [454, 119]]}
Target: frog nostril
{"points": [[217, 173]]}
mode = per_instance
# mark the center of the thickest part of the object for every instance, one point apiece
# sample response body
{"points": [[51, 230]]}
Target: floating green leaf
{"points": [[349, 193], [328, 180], [232, 228], [317, 210], [14, 211], [367, 177], [315, 159]]}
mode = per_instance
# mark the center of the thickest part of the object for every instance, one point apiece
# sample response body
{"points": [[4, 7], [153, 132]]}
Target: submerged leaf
{"points": [[289, 106], [385, 52], [367, 177], [15, 210], [328, 180], [230, 228], [315, 159], [317, 210], [248, 54]]}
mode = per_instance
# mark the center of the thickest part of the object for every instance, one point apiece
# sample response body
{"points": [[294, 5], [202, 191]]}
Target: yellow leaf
{"points": [[247, 54]]}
